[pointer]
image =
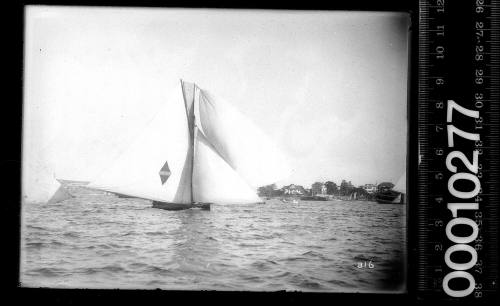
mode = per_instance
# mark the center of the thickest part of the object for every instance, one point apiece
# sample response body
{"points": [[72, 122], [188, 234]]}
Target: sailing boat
{"points": [[45, 190], [354, 195], [401, 188], [209, 154], [395, 195]]}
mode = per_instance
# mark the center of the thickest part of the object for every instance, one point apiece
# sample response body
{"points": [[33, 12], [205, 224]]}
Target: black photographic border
{"points": [[11, 169]]}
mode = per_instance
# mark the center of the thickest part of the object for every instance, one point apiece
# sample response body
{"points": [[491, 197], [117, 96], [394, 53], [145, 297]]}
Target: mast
{"points": [[189, 105], [191, 127]]}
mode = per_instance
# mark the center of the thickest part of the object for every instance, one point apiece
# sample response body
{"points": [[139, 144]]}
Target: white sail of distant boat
{"points": [[198, 151], [401, 188], [43, 189], [354, 195], [400, 184], [60, 194]]}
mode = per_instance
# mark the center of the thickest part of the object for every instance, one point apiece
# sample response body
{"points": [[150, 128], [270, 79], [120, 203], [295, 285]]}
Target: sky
{"points": [[329, 88]]}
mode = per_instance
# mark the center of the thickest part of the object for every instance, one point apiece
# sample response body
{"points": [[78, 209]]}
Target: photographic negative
{"points": [[214, 149]]}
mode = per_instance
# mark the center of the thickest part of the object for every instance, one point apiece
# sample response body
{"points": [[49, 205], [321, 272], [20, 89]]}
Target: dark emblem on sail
{"points": [[164, 173]]}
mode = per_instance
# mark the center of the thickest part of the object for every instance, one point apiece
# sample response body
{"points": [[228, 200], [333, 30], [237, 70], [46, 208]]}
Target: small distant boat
{"points": [[292, 201], [395, 195], [44, 189], [60, 194]]}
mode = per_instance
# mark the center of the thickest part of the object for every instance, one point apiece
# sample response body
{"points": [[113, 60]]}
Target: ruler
{"points": [[457, 196]]}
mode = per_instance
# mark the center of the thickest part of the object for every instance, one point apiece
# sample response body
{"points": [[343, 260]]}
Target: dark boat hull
{"points": [[120, 195], [180, 206], [389, 197], [314, 198]]}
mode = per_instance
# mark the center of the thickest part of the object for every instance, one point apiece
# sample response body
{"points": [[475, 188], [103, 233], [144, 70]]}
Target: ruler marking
{"points": [[429, 70]]}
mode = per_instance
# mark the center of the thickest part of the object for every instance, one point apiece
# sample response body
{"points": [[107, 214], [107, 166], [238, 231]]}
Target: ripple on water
{"points": [[47, 272], [40, 245], [127, 244], [71, 235], [37, 228]]}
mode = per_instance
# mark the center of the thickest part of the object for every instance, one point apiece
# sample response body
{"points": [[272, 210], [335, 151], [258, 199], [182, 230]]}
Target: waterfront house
{"points": [[370, 188], [318, 188], [293, 189]]}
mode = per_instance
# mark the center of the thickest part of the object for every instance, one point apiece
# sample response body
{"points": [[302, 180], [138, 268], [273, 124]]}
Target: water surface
{"points": [[101, 241]]}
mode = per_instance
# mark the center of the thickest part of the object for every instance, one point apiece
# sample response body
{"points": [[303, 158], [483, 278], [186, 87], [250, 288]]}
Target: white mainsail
{"points": [[203, 151], [152, 166]]}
